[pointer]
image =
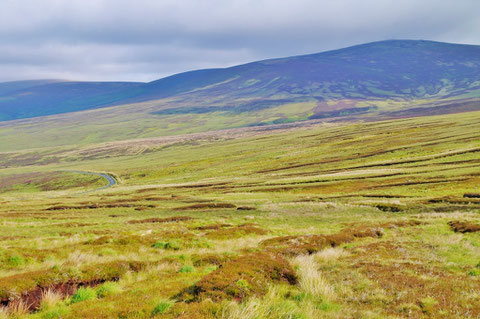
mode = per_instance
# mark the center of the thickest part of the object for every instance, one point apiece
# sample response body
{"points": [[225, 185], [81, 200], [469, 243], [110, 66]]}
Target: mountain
{"points": [[394, 69]]}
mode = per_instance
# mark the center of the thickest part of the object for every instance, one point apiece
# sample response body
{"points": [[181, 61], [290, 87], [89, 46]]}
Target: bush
{"points": [[161, 307], [82, 294], [107, 289]]}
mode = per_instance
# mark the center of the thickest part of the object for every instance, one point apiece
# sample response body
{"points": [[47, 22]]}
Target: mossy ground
{"points": [[307, 222]]}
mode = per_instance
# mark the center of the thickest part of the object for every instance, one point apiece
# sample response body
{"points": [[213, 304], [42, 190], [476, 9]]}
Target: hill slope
{"points": [[395, 69]]}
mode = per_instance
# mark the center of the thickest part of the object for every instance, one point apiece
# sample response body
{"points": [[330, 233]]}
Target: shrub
{"points": [[82, 294], [107, 289], [161, 307]]}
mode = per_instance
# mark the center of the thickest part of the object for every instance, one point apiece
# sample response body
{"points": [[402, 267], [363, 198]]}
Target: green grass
{"points": [[108, 289], [161, 308], [83, 294]]}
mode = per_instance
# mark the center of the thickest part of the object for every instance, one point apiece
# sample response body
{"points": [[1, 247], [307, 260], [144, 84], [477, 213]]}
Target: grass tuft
{"points": [[83, 294], [107, 289], [161, 307]]}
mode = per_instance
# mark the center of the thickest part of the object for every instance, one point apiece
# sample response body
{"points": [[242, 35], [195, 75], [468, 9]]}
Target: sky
{"points": [[143, 40]]}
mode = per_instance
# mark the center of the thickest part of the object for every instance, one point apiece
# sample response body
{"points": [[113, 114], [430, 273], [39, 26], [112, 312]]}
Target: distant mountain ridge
{"points": [[392, 69]]}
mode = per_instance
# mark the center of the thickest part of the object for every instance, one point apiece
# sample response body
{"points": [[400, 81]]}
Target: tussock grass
{"points": [[272, 305], [50, 299], [17, 309], [3, 313], [330, 255], [311, 280]]}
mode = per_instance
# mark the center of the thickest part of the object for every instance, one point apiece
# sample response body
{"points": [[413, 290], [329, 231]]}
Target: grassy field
{"points": [[154, 119], [322, 220]]}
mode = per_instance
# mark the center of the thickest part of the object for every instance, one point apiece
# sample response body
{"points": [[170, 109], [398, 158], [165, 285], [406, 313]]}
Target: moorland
{"points": [[234, 213]]}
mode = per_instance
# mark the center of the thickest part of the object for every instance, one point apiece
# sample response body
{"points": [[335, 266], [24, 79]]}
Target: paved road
{"points": [[111, 181]]}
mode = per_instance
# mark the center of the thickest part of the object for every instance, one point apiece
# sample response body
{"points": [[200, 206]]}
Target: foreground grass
{"points": [[327, 221]]}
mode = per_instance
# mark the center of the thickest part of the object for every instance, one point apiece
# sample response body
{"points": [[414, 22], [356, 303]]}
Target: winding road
{"points": [[110, 179]]}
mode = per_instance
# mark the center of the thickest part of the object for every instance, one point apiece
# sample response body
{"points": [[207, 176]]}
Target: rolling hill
{"points": [[394, 69]]}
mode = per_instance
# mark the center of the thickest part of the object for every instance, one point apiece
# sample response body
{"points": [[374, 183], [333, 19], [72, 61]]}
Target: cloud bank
{"points": [[145, 40]]}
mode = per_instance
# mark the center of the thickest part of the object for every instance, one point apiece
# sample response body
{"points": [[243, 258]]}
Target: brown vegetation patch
{"points": [[161, 220], [209, 259], [72, 225], [158, 198], [245, 276], [120, 203], [206, 206], [90, 206], [450, 208], [401, 223], [406, 280], [455, 200], [386, 207], [45, 181], [28, 287], [32, 215], [309, 244], [463, 227], [212, 226], [236, 231], [431, 181], [471, 195], [382, 196], [145, 190], [204, 185], [245, 208], [102, 240]]}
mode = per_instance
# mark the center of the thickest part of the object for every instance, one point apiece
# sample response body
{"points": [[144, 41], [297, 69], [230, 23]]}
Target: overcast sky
{"points": [[143, 40]]}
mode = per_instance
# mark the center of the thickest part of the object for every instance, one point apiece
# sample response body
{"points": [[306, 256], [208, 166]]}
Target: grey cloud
{"points": [[148, 39]]}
